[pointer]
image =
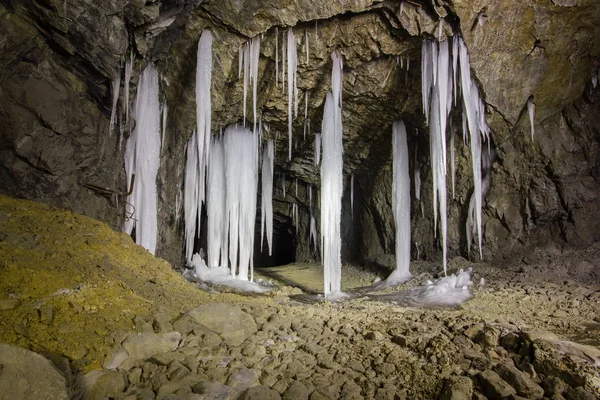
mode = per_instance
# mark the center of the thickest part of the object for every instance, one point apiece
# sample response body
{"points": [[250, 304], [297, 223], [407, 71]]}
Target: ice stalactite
{"points": [[195, 190], [401, 204], [250, 56], [452, 161], [165, 110], [128, 71], [292, 89], [241, 176], [116, 86], [474, 109], [439, 80], [266, 208], [306, 42], [215, 207], [417, 178], [331, 182], [276, 57], [352, 195], [190, 196], [142, 158], [283, 184], [531, 112], [317, 156]]}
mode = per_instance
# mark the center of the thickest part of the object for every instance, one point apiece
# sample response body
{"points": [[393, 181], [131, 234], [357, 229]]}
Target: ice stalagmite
{"points": [[116, 85], [241, 176], [531, 111], [331, 182], [266, 208], [142, 158], [401, 204], [215, 207], [292, 64]]}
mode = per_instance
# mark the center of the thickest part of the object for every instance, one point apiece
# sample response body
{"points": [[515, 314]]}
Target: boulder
{"points": [[25, 375], [228, 320], [146, 345]]}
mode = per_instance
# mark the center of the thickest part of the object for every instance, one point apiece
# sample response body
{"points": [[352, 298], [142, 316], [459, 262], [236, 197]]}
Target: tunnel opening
{"points": [[284, 244]]}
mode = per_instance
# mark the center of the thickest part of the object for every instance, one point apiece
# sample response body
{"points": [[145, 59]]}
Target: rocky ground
{"points": [[117, 323]]}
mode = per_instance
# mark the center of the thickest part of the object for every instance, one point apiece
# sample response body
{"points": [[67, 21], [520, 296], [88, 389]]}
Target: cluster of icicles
{"points": [[222, 171]]}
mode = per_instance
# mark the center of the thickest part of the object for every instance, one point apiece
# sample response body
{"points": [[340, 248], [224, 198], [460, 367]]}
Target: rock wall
{"points": [[59, 58]]}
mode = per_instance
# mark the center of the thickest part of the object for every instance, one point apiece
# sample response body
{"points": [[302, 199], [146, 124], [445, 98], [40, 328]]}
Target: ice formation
{"points": [[352, 194], [197, 160], [142, 158], [331, 182], [317, 157], [250, 56], [128, 72], [439, 80], [401, 204], [292, 90], [221, 276], [531, 111], [266, 207], [241, 177], [116, 85], [276, 57], [447, 291], [165, 110], [215, 207]]}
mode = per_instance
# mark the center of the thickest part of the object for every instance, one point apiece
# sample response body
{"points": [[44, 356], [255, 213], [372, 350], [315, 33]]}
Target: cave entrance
{"points": [[284, 245]]}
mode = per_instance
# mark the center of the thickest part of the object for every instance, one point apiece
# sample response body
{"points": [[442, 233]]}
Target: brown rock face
{"points": [[58, 61]]}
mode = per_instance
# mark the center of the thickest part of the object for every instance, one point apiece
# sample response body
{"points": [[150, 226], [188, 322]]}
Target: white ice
{"points": [[142, 158], [317, 156], [222, 276], [266, 208], [292, 65], [116, 86], [531, 111], [331, 182]]}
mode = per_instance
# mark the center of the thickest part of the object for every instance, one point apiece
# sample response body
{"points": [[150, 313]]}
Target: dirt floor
{"points": [[73, 288]]}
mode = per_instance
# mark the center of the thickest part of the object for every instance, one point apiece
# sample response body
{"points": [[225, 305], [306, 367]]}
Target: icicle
{"points": [[142, 158], [313, 231], [203, 110], [531, 111], [292, 63], [241, 176], [250, 56], [305, 105], [455, 40], [401, 203], [317, 156], [442, 84], [452, 158], [407, 63], [331, 182], [116, 85], [440, 29], [266, 206], [165, 110], [190, 198], [296, 186], [283, 184], [352, 195], [426, 75], [310, 196], [401, 7], [128, 72], [307, 51], [401, 62], [276, 57], [217, 234], [283, 59], [594, 81]]}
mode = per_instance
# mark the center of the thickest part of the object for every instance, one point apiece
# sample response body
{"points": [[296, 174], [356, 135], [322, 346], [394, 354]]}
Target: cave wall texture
{"points": [[59, 57]]}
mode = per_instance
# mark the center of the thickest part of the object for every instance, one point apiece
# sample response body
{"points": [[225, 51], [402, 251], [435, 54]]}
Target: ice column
{"points": [[142, 158], [331, 181], [401, 203]]}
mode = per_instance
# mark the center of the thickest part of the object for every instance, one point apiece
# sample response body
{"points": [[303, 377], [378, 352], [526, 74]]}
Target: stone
{"points": [[27, 375], [213, 390], [46, 314], [115, 358], [102, 384], [457, 388], [259, 393], [242, 378], [553, 385], [524, 385], [580, 393], [228, 320], [296, 391], [8, 304], [374, 335], [146, 345], [495, 387]]}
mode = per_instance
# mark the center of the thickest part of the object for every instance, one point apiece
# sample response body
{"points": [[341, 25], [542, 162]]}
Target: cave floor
{"points": [[76, 291]]}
